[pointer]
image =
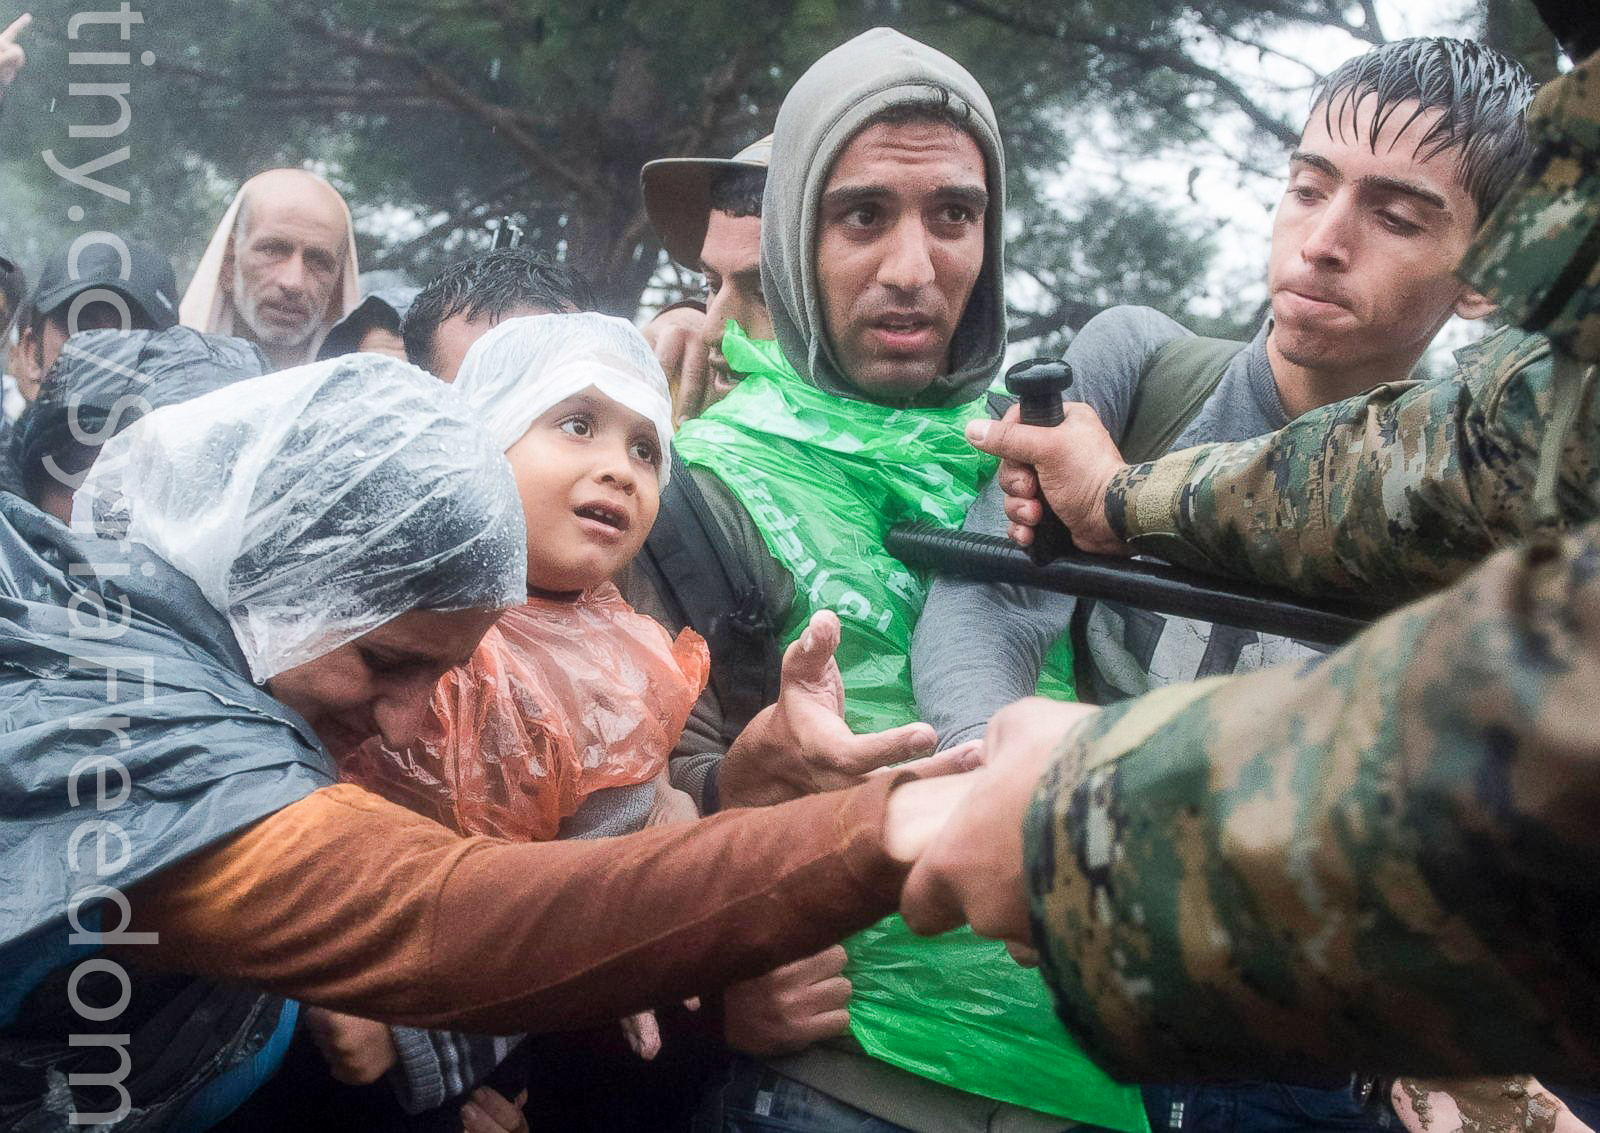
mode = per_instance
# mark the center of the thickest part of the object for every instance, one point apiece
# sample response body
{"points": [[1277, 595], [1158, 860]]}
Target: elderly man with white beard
{"points": [[281, 268]]}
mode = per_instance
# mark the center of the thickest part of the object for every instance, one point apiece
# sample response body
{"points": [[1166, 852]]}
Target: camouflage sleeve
{"points": [[1386, 859], [1391, 494]]}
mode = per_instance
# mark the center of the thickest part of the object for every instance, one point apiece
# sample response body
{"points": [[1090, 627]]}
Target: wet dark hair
{"points": [[1482, 97], [737, 192], [940, 105], [491, 284]]}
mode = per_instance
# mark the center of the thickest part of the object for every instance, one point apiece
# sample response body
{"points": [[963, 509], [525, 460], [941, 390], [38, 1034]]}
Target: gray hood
{"points": [[828, 106]]}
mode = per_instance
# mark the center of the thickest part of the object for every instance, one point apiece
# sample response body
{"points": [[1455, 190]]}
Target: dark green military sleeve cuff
{"points": [[1144, 502]]}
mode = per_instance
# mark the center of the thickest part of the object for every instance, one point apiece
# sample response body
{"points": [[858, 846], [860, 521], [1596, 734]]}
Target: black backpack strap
{"points": [[705, 585], [998, 403], [179, 1030]]}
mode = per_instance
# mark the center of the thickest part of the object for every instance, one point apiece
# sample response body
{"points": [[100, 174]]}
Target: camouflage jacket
{"points": [[1391, 494], [1385, 859]]}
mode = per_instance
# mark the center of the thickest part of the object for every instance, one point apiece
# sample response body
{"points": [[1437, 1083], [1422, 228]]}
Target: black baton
{"points": [[1151, 586]]}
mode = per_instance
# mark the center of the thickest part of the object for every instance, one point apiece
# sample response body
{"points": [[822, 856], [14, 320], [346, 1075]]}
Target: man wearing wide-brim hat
{"points": [[707, 212]]}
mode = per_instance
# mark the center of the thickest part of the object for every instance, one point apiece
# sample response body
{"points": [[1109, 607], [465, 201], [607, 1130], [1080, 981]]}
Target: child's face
{"points": [[588, 472]]}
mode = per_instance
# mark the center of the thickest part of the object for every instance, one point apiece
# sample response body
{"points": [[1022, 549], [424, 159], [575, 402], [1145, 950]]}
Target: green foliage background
{"points": [[435, 116]]}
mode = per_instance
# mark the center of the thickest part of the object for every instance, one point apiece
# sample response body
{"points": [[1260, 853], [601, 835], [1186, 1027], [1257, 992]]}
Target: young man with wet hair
{"points": [[1425, 905], [465, 300], [1406, 149]]}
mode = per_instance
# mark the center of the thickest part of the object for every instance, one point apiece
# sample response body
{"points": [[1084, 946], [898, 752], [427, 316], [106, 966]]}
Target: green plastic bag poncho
{"points": [[823, 478]]}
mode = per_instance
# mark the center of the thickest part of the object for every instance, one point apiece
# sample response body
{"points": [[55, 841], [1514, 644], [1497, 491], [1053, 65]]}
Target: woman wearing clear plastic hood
{"points": [[279, 571]]}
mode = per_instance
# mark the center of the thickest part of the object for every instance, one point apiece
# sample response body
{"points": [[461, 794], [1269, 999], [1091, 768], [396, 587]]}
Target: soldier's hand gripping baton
{"points": [[1038, 384], [1053, 563]]}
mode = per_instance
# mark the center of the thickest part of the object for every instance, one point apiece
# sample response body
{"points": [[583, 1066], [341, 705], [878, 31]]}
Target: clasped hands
{"points": [[964, 833]]}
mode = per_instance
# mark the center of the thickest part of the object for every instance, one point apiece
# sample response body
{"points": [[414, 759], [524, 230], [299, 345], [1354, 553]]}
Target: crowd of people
{"points": [[451, 707]]}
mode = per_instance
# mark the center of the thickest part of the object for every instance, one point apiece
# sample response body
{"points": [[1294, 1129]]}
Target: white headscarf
{"points": [[315, 504], [208, 304], [514, 374]]}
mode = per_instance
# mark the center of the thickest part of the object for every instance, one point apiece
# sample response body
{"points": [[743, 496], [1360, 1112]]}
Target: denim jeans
{"points": [[757, 1099], [754, 1098], [1262, 1107], [1584, 1104]]}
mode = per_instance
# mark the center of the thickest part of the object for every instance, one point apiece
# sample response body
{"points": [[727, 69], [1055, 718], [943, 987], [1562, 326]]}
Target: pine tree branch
{"points": [[1148, 55], [1068, 314], [1369, 29], [1264, 49], [343, 97], [513, 125], [488, 202], [722, 89]]}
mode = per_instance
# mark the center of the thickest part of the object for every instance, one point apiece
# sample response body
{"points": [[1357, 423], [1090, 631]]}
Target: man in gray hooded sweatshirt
{"points": [[882, 264]]}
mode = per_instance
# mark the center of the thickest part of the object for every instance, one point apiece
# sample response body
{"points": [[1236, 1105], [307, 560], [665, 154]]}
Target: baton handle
{"points": [[1038, 384]]}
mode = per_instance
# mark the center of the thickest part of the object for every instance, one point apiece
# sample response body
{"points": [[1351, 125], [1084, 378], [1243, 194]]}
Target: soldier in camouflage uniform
{"points": [[1388, 858]]}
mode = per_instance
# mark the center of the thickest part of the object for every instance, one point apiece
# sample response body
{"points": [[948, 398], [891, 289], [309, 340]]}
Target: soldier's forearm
{"points": [[1322, 505], [1389, 495], [1387, 861]]}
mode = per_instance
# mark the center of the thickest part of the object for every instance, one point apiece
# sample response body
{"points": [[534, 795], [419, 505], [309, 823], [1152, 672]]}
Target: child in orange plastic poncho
{"points": [[575, 692], [562, 722]]}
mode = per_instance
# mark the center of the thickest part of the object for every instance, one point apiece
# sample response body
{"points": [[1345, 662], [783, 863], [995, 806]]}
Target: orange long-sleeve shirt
{"points": [[348, 901]]}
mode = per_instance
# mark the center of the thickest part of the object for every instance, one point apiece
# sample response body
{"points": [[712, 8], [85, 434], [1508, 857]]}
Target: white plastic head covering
{"points": [[519, 370], [315, 504]]}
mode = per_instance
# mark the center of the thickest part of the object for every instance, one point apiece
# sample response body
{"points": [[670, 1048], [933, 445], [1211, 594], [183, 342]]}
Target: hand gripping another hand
{"points": [[969, 867]]}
